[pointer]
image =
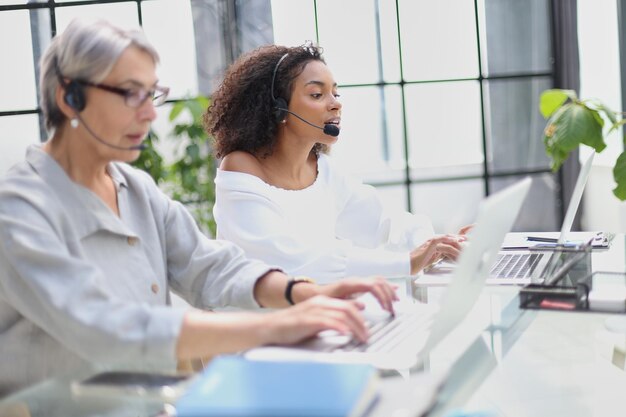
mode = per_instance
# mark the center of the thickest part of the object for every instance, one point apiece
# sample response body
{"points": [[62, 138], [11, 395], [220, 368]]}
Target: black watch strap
{"points": [[291, 283]]}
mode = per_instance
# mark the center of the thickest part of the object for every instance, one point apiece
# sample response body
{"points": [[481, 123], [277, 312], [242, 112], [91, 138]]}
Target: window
{"points": [[440, 97]]}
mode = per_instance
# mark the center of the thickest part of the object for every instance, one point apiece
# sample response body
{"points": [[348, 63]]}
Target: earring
{"points": [[74, 123]]}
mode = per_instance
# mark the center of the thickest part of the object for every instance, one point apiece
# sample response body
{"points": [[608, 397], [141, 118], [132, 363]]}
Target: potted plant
{"points": [[189, 179], [573, 122]]}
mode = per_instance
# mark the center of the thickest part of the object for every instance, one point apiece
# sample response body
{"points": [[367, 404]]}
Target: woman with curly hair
{"points": [[282, 198]]}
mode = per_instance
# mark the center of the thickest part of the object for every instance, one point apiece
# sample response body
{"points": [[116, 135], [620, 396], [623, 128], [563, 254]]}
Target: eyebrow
{"points": [[137, 83], [320, 83]]}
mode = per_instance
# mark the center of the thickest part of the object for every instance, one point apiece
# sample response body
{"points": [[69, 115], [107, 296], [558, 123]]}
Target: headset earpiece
{"points": [[279, 113], [75, 96]]}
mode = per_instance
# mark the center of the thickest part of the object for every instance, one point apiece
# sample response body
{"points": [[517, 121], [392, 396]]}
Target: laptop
{"points": [[517, 264], [403, 341], [525, 266]]}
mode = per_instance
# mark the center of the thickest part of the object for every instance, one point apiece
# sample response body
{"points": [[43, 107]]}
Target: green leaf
{"points": [[176, 110], [610, 114], [576, 124], [619, 174], [196, 131], [616, 125], [196, 109], [596, 115], [193, 151], [179, 130], [551, 100], [204, 101], [590, 133], [572, 125]]}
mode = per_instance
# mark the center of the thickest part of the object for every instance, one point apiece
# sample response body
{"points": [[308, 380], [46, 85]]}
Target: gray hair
{"points": [[85, 51]]}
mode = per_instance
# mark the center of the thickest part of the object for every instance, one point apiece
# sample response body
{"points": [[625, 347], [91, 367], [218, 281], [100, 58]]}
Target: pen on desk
{"points": [[541, 239]]}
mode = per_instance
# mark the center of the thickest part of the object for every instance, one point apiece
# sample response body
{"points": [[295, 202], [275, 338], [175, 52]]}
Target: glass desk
{"points": [[500, 361], [540, 362]]}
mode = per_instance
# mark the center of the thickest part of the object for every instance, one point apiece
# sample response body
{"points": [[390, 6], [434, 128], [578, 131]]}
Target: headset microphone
{"points": [[140, 147], [329, 129]]}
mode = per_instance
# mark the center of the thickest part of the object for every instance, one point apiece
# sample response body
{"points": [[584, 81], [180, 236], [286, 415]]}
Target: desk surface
{"points": [[543, 363], [501, 360]]}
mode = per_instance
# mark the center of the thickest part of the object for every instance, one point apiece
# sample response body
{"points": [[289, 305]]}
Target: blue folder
{"points": [[232, 386]]}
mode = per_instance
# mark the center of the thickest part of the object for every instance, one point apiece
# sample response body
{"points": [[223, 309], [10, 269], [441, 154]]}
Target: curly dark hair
{"points": [[241, 116]]}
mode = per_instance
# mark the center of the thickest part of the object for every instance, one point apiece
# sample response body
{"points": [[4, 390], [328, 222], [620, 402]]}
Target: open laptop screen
{"points": [[574, 202]]}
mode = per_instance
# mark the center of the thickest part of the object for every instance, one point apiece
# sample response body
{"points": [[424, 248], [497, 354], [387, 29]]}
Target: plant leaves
{"points": [[616, 125], [193, 151], [610, 114], [619, 174], [189, 178], [176, 110], [551, 100], [573, 124], [596, 115]]}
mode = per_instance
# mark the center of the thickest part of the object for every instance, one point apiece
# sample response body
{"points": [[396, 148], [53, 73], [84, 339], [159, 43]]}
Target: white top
{"points": [[80, 286], [336, 227]]}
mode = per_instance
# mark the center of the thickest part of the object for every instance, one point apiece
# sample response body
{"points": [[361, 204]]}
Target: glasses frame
{"points": [[159, 94]]}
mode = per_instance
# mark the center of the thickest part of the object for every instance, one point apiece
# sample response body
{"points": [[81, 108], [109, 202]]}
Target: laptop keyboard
{"points": [[518, 265], [388, 334]]}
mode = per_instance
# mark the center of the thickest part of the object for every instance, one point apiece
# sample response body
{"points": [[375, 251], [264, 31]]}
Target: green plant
{"points": [[189, 178], [573, 122]]}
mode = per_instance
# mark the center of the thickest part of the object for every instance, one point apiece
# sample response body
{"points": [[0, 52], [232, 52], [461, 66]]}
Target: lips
{"points": [[334, 121], [137, 137]]}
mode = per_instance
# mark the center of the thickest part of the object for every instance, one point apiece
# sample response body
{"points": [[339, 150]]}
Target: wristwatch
{"points": [[293, 281]]}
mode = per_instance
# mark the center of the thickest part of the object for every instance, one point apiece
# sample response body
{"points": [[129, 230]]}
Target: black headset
{"points": [[74, 92], [279, 103], [75, 96]]}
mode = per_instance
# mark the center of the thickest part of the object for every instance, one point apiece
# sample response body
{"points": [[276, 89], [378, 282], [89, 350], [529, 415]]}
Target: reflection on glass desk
{"points": [[501, 361]]}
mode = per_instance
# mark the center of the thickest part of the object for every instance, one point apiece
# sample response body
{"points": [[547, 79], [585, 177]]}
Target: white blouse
{"points": [[336, 227]]}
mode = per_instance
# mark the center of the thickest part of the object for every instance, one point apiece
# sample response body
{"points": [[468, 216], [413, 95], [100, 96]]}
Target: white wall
{"points": [[599, 73]]}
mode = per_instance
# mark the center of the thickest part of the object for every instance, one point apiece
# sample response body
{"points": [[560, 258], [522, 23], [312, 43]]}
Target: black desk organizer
{"points": [[564, 285]]}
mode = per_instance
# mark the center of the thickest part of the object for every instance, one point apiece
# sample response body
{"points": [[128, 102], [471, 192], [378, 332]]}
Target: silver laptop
{"points": [[521, 266], [403, 341]]}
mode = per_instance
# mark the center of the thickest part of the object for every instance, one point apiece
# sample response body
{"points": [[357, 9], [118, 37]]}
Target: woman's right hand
{"points": [[434, 249], [207, 334], [306, 319]]}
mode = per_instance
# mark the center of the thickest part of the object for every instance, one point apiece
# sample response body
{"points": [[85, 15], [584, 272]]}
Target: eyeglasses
{"points": [[134, 97]]}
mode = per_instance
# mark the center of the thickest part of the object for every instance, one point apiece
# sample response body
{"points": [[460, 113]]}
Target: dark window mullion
{"points": [[481, 86], [139, 13], [405, 133]]}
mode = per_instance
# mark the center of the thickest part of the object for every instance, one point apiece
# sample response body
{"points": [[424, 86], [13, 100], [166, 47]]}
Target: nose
{"points": [[147, 111], [335, 104]]}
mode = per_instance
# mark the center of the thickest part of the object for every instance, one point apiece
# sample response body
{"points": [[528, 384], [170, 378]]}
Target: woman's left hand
{"points": [[348, 288]]}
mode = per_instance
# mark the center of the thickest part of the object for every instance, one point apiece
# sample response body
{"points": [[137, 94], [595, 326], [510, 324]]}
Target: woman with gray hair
{"points": [[90, 247]]}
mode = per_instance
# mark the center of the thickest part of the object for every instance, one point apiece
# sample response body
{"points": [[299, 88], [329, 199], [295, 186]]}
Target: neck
{"points": [[75, 154], [291, 165]]}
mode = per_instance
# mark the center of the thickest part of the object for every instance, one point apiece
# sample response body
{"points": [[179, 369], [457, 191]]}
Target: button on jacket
{"points": [[80, 286]]}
